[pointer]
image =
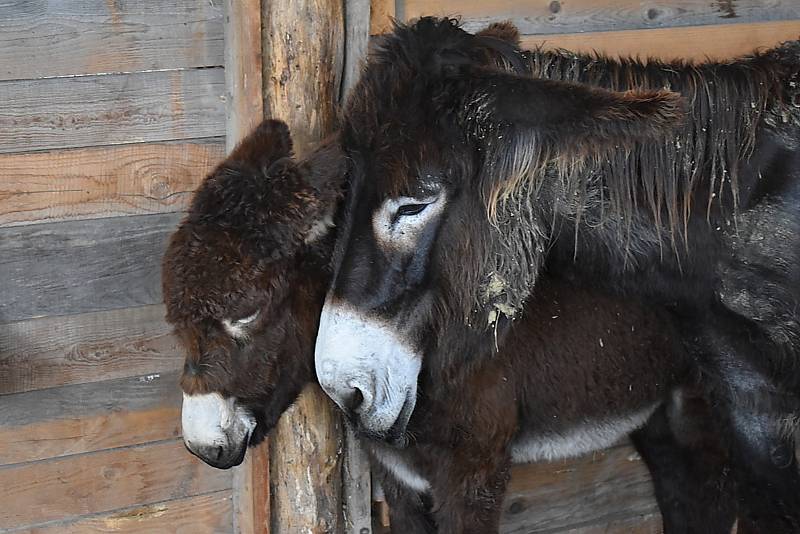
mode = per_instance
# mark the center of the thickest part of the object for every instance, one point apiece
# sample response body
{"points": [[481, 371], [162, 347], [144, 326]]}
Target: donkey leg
{"points": [[692, 488], [753, 410], [409, 511], [468, 499]]}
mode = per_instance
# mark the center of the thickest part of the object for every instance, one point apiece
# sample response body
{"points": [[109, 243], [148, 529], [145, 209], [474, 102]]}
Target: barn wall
{"points": [[111, 114], [611, 491]]}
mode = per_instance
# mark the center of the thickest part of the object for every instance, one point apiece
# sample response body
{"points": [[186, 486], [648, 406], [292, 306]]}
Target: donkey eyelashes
{"points": [[410, 209]]}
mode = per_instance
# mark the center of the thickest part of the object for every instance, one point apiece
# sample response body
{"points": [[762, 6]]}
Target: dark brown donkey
{"points": [[244, 281], [477, 166]]}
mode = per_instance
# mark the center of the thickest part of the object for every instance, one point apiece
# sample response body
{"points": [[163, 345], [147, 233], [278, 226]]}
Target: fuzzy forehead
{"points": [[205, 274]]}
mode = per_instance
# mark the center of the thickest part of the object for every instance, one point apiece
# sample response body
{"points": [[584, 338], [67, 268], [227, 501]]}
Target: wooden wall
{"points": [[607, 492], [112, 111]]}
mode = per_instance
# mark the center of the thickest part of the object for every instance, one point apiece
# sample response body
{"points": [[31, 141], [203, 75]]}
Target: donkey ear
{"points": [[325, 172], [269, 142], [574, 118]]}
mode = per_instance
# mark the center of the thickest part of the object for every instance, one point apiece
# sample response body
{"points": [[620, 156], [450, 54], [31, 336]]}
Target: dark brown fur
{"points": [[242, 248]]}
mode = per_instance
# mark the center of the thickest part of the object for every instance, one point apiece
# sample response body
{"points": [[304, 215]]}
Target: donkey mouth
{"points": [[396, 435], [220, 457]]}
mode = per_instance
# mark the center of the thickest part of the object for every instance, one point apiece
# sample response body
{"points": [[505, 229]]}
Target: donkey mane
{"points": [[726, 103]]}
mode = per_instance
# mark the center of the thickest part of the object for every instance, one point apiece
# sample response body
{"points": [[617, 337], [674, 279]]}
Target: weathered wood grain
{"points": [[40, 38], [66, 488], [694, 43], [356, 486], [243, 60], [82, 266], [89, 417], [590, 490], [88, 183], [573, 16], [75, 349], [381, 14], [203, 514], [636, 524], [114, 109], [303, 44], [357, 31], [251, 513]]}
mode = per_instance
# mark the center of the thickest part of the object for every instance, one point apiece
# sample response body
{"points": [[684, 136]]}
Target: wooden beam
{"points": [[244, 111], [73, 486], [357, 20], [693, 42], [574, 16], [99, 182], [303, 49]]}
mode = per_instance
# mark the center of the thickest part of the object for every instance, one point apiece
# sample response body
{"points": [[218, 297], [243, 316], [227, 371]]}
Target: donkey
{"points": [[244, 279], [476, 165]]}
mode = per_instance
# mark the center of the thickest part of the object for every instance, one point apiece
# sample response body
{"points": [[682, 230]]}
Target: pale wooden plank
{"points": [[109, 110], [76, 349], [251, 514], [590, 490], [82, 266], [573, 16], [357, 31], [380, 16], [99, 182], [73, 486], [356, 486], [243, 78], [89, 417], [41, 38], [695, 43], [647, 524], [203, 514]]}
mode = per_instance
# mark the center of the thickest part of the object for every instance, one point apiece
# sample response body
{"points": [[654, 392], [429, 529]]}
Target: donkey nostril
{"points": [[353, 400]]}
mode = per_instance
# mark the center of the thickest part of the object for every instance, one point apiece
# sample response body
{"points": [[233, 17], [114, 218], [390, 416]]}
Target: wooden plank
{"points": [[76, 349], [40, 38], [357, 30], [573, 16], [88, 183], [82, 266], [244, 111], [243, 79], [648, 524], [356, 486], [70, 487], [590, 490], [694, 43], [381, 14], [109, 110], [302, 85], [203, 514], [89, 417]]}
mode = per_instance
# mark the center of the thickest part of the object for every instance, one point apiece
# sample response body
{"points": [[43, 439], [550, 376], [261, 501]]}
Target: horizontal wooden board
{"points": [[696, 43], [203, 514], [596, 489], [649, 524], [104, 181], [70, 487], [89, 417], [82, 266], [90, 347], [114, 109], [572, 16], [41, 38]]}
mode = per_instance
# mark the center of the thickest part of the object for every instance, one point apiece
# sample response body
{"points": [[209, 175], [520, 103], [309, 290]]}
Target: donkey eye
{"points": [[410, 209], [245, 320]]}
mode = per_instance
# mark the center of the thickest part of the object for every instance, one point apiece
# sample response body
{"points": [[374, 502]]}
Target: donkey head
{"points": [[446, 222], [244, 277]]}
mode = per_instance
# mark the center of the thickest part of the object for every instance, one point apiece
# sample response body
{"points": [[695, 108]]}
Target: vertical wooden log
{"points": [[244, 111], [303, 49], [357, 20]]}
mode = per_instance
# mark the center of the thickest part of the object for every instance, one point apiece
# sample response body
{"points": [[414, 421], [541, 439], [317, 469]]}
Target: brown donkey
{"points": [[244, 281]]}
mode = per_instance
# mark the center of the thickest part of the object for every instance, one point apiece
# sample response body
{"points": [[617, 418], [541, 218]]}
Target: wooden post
{"points": [[244, 111], [303, 49]]}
